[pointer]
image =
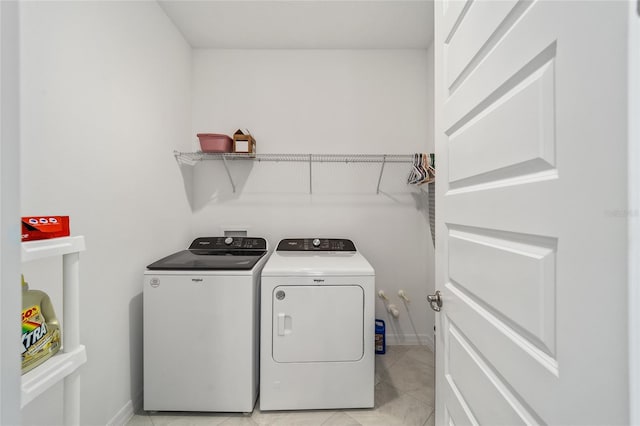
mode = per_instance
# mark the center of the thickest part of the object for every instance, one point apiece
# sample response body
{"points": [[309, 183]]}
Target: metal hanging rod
{"points": [[316, 158], [193, 157]]}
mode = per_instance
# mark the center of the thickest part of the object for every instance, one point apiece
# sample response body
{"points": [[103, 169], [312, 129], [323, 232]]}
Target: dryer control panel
{"points": [[316, 244]]}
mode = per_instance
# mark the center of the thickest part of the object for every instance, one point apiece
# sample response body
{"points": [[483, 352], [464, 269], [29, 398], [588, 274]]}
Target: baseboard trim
{"points": [[411, 339], [125, 414]]}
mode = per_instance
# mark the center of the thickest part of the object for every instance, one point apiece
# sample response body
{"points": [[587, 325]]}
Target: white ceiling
{"points": [[303, 24]]}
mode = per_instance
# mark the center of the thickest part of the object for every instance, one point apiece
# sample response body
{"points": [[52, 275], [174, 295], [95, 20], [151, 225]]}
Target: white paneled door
{"points": [[532, 212]]}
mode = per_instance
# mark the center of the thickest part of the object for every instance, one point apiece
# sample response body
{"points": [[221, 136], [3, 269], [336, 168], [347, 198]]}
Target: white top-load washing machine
{"points": [[317, 327], [201, 326]]}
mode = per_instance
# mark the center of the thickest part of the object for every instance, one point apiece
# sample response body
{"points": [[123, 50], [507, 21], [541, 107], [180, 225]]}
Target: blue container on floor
{"points": [[381, 344]]}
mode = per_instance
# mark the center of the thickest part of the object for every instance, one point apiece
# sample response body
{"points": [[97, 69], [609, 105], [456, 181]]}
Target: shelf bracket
{"points": [[226, 167], [384, 160]]}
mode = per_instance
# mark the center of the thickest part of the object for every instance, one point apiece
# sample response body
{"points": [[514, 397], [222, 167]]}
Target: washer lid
{"points": [[215, 253]]}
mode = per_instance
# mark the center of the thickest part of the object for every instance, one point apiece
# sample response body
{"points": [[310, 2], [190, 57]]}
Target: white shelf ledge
{"points": [[52, 371], [64, 364], [32, 250]]}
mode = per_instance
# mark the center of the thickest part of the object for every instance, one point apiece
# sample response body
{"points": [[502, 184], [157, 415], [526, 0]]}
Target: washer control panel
{"points": [[316, 244], [228, 243]]}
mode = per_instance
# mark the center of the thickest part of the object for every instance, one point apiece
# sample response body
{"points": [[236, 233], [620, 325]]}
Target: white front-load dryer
{"points": [[317, 327]]}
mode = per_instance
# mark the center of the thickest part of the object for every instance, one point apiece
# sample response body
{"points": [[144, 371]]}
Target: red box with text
{"points": [[44, 227]]}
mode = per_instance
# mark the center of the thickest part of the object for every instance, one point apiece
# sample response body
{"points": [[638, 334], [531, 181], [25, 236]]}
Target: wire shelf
{"points": [[192, 158]]}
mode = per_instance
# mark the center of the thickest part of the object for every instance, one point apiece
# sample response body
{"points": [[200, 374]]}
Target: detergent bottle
{"points": [[40, 328]]}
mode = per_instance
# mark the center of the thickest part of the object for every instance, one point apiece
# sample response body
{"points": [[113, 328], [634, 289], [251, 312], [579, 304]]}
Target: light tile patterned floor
{"points": [[405, 391]]}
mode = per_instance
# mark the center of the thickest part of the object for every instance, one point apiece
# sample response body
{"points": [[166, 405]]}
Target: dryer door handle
{"points": [[281, 317], [284, 324]]}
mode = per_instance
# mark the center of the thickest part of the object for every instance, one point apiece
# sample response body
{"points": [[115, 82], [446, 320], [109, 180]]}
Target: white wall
{"points": [[105, 100], [329, 102]]}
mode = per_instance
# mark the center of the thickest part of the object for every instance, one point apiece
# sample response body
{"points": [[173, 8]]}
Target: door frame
{"points": [[633, 210], [10, 386]]}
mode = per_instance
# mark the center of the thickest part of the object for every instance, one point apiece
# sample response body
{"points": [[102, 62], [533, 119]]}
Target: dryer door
{"points": [[318, 323]]}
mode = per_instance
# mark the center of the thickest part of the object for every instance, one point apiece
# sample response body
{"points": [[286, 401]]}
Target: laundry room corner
{"points": [[324, 101]]}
